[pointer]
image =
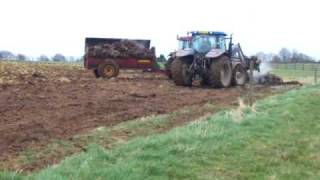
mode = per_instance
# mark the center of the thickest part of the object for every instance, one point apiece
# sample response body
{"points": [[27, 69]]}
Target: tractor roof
{"points": [[185, 38], [214, 33]]}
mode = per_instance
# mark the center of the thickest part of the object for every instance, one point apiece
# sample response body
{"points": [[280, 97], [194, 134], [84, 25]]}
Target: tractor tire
{"points": [[168, 67], [96, 73], [239, 75], [204, 81], [108, 69], [220, 72], [180, 74]]}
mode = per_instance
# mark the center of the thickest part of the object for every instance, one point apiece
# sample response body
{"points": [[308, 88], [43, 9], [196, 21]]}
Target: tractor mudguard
{"points": [[235, 63], [184, 52], [214, 53]]}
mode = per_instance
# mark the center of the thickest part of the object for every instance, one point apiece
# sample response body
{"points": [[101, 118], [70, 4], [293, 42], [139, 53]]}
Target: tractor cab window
{"points": [[203, 43], [236, 52], [221, 43], [183, 44], [236, 55]]}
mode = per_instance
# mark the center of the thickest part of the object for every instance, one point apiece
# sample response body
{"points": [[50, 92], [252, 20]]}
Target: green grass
{"points": [[297, 66], [292, 72], [304, 73], [303, 76], [161, 65], [278, 139], [10, 176]]}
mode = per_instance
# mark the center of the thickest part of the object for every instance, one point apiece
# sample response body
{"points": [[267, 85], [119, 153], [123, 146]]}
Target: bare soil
{"points": [[39, 107]]}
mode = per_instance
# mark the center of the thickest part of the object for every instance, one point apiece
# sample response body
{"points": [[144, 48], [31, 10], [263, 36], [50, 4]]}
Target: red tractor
{"points": [[106, 56]]}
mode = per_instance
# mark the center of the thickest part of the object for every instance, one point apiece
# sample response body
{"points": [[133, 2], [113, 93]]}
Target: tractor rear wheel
{"points": [[180, 72], [220, 72], [168, 67], [108, 69], [239, 75]]}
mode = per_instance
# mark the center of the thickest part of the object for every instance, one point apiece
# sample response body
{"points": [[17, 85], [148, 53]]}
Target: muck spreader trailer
{"points": [[106, 56]]}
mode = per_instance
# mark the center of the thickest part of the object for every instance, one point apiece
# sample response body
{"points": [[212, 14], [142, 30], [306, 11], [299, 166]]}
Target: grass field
{"points": [[277, 139], [297, 66], [304, 73], [305, 77]]}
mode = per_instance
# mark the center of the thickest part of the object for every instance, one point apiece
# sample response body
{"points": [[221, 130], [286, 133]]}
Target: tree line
{"points": [[283, 56], [7, 55], [286, 56]]}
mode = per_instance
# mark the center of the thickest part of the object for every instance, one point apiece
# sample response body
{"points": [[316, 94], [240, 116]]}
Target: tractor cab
{"points": [[204, 41], [184, 42], [206, 44]]}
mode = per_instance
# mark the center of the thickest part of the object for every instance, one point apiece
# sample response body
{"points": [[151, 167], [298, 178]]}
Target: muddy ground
{"points": [[40, 106]]}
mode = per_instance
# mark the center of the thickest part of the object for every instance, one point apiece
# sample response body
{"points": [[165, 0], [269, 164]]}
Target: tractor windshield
{"points": [[204, 43]]}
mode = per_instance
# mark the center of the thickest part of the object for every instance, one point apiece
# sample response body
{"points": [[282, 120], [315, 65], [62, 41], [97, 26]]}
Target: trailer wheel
{"points": [[180, 73], [220, 72], [108, 69], [239, 75]]}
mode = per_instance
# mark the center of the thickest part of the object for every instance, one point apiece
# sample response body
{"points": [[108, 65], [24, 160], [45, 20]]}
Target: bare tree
{"points": [[300, 57], [43, 58], [6, 55], [59, 57], [161, 58], [266, 57], [276, 59], [21, 57], [285, 55], [295, 56]]}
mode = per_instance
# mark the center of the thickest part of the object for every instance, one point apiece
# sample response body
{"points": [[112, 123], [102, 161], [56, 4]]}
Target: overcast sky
{"points": [[35, 27]]}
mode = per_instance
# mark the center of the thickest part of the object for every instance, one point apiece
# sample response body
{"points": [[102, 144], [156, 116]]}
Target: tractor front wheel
{"points": [[220, 72], [181, 74], [239, 75], [108, 69]]}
